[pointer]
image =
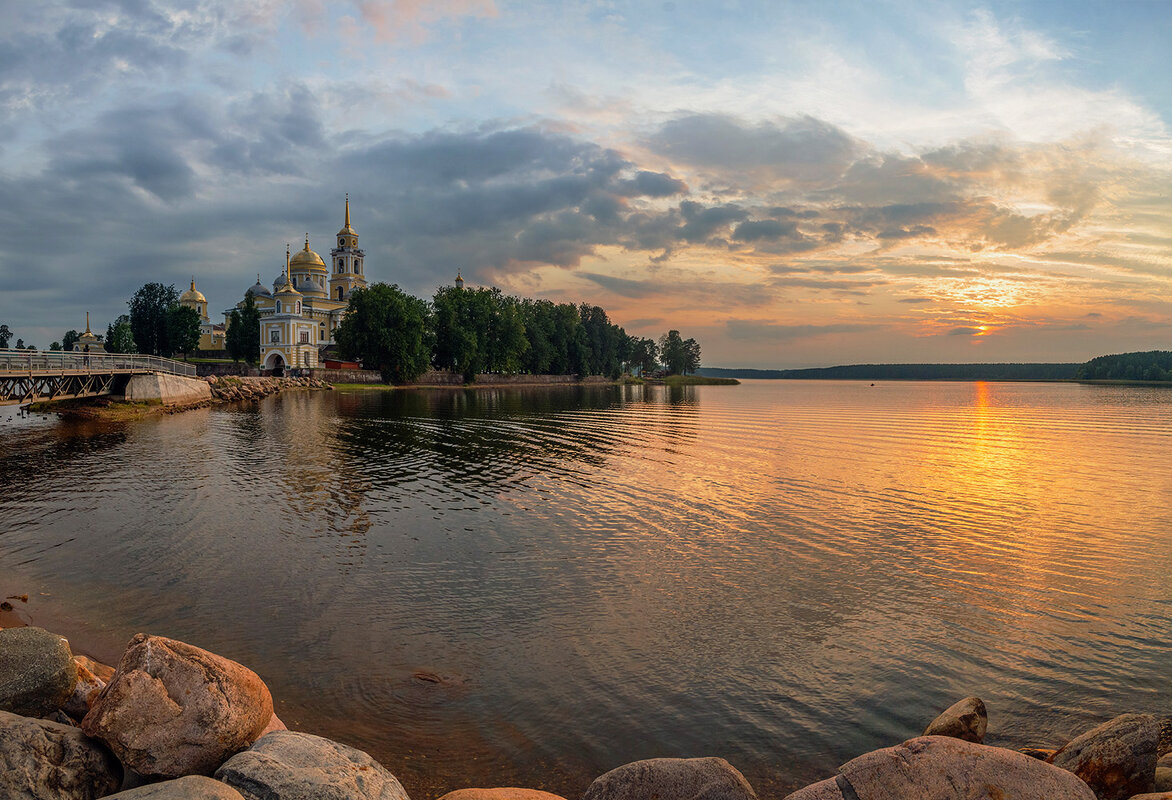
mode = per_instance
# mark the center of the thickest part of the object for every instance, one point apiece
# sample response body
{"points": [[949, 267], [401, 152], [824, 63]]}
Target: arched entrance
{"points": [[275, 365]]}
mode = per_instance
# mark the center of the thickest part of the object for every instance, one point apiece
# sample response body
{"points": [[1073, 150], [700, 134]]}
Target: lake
{"points": [[529, 587]]}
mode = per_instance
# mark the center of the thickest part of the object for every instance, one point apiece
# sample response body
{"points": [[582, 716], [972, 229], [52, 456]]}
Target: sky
{"points": [[792, 184]]}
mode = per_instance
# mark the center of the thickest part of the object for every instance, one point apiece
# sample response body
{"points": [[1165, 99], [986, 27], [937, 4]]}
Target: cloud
{"points": [[799, 149], [742, 329]]}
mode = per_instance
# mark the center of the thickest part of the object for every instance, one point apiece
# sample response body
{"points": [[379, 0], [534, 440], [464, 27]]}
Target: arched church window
{"points": [[358, 266], [339, 292], [298, 311]]}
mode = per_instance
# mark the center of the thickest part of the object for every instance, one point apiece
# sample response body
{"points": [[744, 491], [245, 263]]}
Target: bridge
{"points": [[30, 375]]}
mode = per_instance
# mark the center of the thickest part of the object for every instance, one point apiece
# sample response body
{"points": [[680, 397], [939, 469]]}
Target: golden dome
{"points": [[192, 295], [308, 259]]}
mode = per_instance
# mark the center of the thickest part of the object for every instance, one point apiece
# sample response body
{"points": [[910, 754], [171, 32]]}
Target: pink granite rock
{"points": [[42, 760], [944, 768], [965, 719], [172, 709], [1117, 759], [503, 793], [88, 687]]}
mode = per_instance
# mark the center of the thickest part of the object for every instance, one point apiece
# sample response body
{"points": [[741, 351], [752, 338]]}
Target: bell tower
{"points": [[347, 272]]}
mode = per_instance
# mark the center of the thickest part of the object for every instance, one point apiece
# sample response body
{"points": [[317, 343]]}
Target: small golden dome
{"points": [[192, 295], [308, 258]]}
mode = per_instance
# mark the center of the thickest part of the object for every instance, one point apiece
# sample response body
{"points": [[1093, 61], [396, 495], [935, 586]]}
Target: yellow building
{"points": [[307, 301], [211, 337]]}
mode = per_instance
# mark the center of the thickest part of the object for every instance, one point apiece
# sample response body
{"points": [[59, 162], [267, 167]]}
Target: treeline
{"points": [[905, 372], [156, 325], [1152, 365], [481, 330]]}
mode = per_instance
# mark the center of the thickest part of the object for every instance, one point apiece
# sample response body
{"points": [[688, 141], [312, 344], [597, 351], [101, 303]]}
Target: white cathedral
{"points": [[307, 302]]}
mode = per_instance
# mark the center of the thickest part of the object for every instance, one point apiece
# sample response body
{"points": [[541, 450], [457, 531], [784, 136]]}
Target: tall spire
{"points": [[288, 277], [347, 209], [87, 322], [193, 283], [307, 240]]}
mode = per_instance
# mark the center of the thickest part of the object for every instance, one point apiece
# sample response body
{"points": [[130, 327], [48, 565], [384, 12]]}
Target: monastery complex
{"points": [[299, 315]]}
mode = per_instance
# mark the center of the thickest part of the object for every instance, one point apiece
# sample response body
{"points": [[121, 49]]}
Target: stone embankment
{"points": [[226, 388], [174, 722]]}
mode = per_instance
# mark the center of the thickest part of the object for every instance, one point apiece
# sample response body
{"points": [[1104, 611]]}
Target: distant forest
{"points": [[1152, 365], [921, 372]]}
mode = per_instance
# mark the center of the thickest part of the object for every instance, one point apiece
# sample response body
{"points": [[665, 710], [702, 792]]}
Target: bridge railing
{"points": [[33, 362]]}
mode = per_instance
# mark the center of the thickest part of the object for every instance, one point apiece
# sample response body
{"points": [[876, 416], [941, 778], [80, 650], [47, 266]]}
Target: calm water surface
{"points": [[530, 587]]}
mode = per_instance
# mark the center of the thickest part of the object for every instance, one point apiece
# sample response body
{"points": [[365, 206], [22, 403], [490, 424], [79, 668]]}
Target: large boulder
{"points": [[944, 768], [37, 673], [193, 787], [674, 778], [1117, 759], [286, 765], [42, 760], [965, 719], [503, 793], [172, 709]]}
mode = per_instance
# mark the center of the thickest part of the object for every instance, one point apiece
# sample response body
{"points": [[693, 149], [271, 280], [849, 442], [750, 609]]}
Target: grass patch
{"points": [[699, 380]]}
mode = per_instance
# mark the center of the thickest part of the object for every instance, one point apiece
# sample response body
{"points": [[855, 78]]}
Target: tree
{"points": [[645, 355], [119, 336], [20, 344], [69, 339], [5, 335], [672, 352], [388, 330], [148, 318], [182, 329], [54, 345], [242, 339], [691, 355]]}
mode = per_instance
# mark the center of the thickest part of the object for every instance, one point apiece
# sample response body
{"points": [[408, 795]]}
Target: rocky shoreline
{"points": [[173, 721]]}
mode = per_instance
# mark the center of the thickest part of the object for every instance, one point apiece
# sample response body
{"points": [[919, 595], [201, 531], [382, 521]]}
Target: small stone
{"points": [[674, 778], [966, 719], [88, 687], [192, 787], [275, 724], [103, 671], [1117, 759], [504, 793], [286, 765], [172, 709], [945, 768], [48, 761], [37, 673]]}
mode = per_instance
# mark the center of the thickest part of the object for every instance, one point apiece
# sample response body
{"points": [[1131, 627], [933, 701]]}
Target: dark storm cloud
{"points": [[754, 230], [652, 184], [802, 149], [702, 222]]}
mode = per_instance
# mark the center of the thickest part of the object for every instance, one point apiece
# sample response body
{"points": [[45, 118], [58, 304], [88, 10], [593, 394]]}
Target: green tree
{"points": [[69, 339], [5, 335], [54, 345], [182, 329], [242, 339], [386, 329], [20, 344], [645, 355], [148, 318], [691, 355], [672, 352], [119, 336]]}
